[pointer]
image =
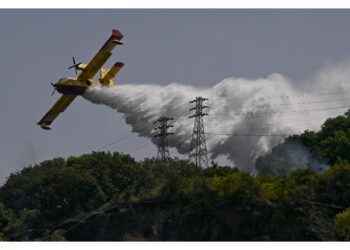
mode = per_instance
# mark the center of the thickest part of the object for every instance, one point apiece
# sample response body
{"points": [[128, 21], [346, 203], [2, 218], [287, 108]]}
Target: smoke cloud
{"points": [[247, 117], [287, 157]]}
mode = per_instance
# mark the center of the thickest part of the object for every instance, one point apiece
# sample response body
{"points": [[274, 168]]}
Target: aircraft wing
{"points": [[56, 109], [101, 57]]}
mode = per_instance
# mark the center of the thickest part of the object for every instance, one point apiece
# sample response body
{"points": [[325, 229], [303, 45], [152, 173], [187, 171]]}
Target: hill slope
{"points": [[104, 196], [110, 196]]}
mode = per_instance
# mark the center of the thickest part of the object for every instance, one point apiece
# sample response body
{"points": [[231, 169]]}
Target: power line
{"points": [[252, 135], [104, 146], [256, 127], [299, 96], [43, 227], [116, 142], [143, 145], [290, 104], [34, 188], [263, 113], [252, 114]]}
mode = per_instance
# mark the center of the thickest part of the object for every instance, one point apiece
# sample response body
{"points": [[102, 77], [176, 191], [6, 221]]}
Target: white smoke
{"points": [[247, 117]]}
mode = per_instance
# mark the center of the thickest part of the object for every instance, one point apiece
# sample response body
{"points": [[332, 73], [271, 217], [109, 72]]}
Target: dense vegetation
{"points": [[218, 203], [110, 196], [316, 150]]}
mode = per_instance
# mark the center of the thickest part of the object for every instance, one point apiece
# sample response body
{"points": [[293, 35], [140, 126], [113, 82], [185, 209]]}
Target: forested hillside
{"points": [[110, 196], [316, 150]]}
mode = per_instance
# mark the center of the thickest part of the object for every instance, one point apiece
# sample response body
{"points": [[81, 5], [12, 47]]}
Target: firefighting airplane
{"points": [[71, 87]]}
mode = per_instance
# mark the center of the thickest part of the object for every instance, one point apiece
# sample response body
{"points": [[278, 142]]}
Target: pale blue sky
{"points": [[197, 47]]}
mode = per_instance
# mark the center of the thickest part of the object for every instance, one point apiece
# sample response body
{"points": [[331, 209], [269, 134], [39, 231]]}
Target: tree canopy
{"points": [[316, 150], [294, 197]]}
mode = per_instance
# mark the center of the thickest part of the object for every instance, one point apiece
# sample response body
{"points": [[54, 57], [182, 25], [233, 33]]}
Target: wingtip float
{"points": [[71, 87]]}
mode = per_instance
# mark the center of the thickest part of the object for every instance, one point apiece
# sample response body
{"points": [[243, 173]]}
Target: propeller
{"points": [[54, 88], [74, 66]]}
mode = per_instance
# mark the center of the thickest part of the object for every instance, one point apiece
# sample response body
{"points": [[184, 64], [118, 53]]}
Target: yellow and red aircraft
{"points": [[71, 87]]}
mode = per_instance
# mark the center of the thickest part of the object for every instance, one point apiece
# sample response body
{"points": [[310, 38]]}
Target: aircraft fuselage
{"points": [[72, 86]]}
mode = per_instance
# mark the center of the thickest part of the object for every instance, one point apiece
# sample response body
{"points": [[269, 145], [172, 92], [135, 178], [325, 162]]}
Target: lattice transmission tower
{"points": [[163, 149], [198, 148]]}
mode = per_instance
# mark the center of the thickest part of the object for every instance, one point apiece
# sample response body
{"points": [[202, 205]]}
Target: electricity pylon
{"points": [[163, 150], [198, 148]]}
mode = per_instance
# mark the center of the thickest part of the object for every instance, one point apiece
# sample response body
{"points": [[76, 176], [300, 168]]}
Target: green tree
{"points": [[9, 224], [315, 150], [342, 223]]}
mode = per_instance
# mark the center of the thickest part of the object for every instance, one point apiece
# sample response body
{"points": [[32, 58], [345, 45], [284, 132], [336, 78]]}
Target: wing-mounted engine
{"points": [[77, 66], [106, 76], [80, 66]]}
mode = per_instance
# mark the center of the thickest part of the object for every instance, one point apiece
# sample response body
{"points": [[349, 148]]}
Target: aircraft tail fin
{"points": [[106, 77], [103, 73]]}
